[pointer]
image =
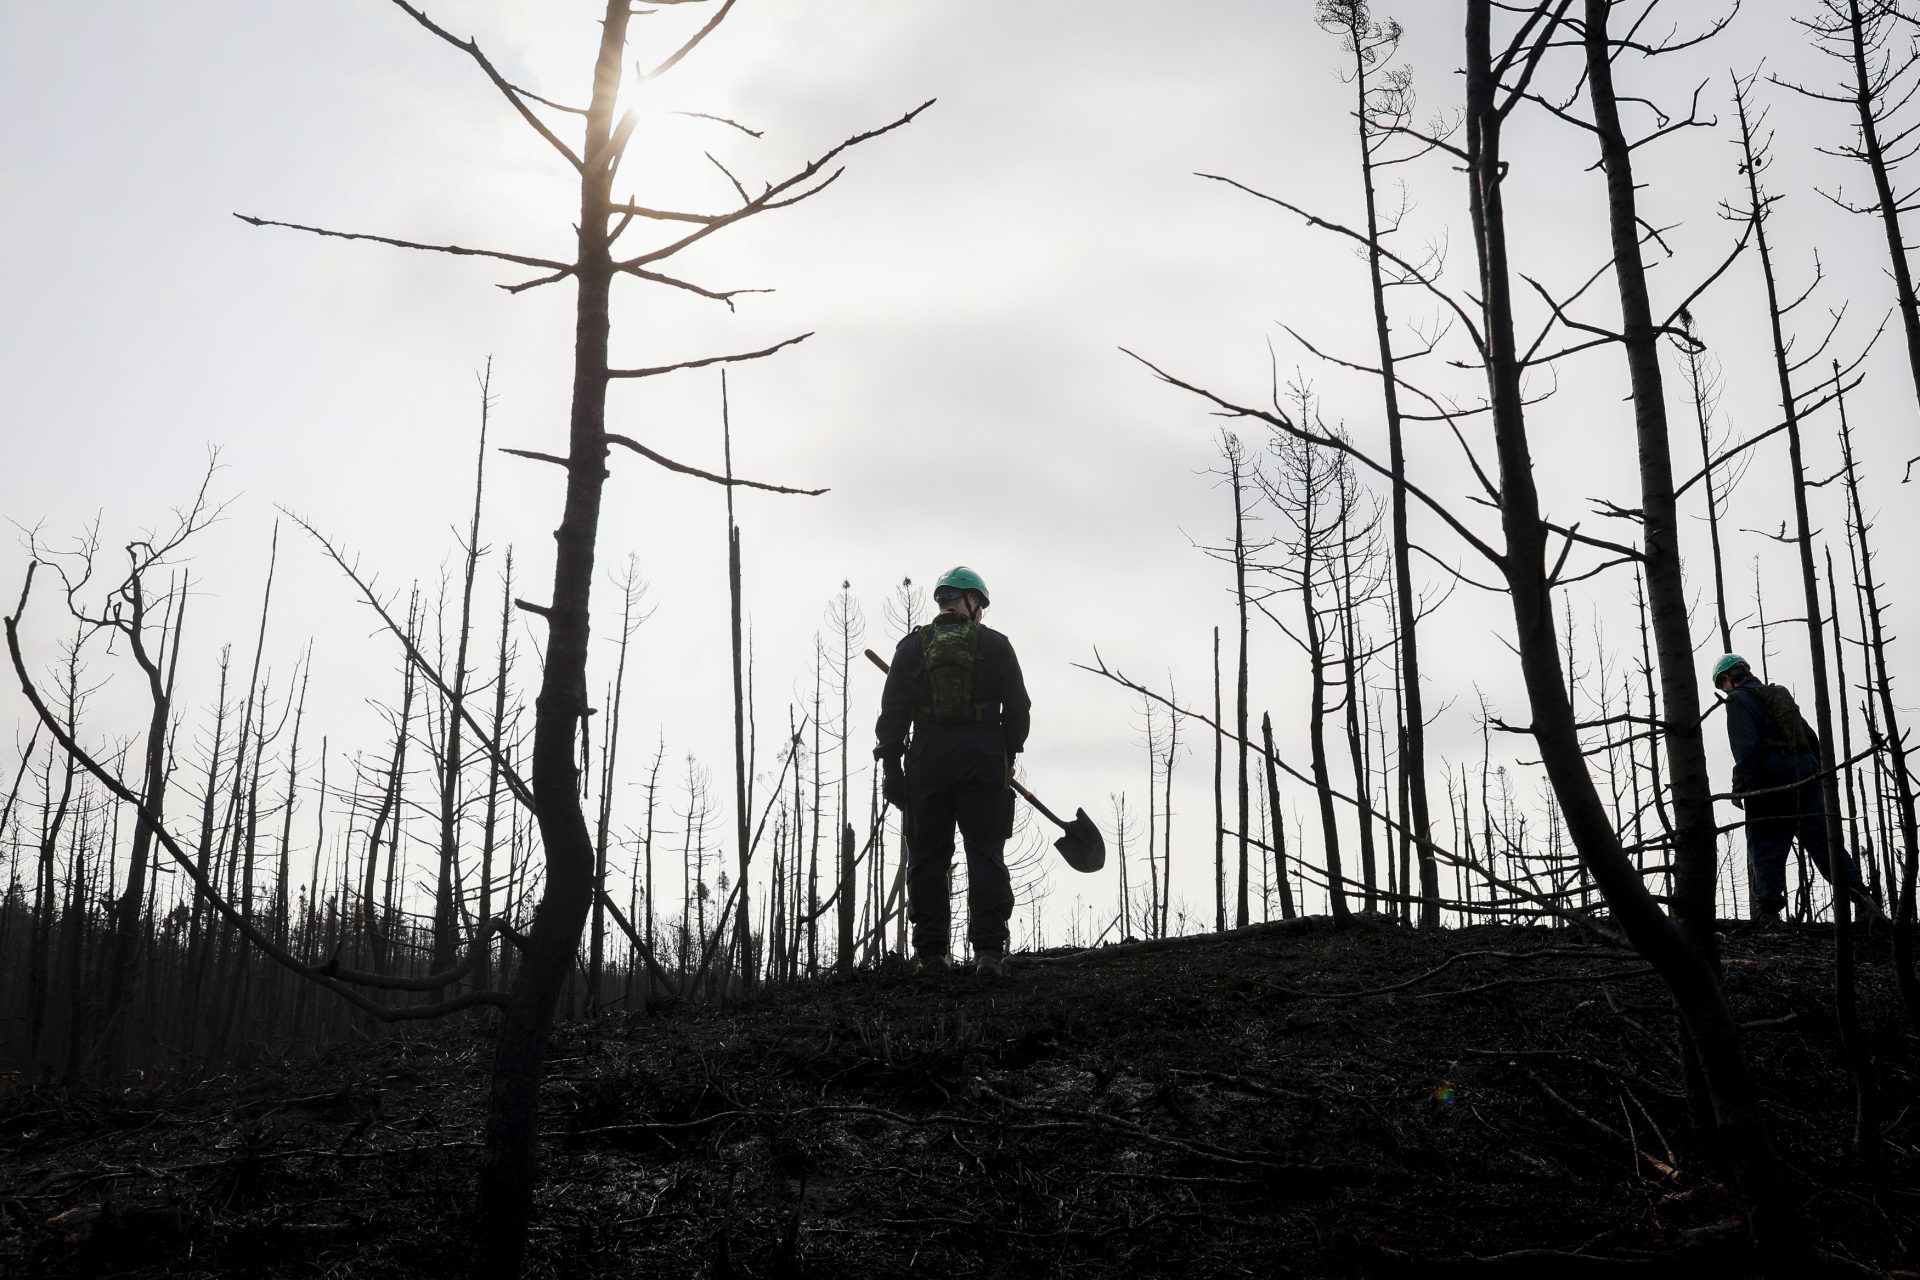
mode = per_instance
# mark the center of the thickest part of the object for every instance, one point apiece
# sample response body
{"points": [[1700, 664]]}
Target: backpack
{"points": [[947, 655], [1783, 720]]}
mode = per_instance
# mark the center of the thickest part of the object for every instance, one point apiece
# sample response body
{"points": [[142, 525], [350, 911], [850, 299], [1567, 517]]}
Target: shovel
{"points": [[1080, 843]]}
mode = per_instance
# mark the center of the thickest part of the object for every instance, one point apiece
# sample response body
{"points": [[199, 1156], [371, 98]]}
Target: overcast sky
{"points": [[969, 282]]}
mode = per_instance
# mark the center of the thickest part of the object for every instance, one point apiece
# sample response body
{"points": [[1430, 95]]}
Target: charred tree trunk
{"points": [[1353, 20], [112, 1042], [1279, 824], [446, 915], [490, 824], [1219, 807], [1773, 1215], [1241, 915], [505, 1205], [609, 755], [1699, 394], [1880, 683], [1694, 837], [1166, 813], [1866, 1135], [742, 797]]}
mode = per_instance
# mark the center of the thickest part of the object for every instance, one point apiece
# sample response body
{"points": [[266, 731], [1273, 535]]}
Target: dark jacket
{"points": [[997, 686], [1761, 755]]}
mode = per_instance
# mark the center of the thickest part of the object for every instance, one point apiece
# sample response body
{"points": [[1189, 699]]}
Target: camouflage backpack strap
{"points": [[947, 658], [1783, 719]]}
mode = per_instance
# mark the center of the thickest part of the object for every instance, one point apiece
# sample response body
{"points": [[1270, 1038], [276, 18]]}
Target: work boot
{"points": [[990, 962], [931, 962], [1766, 918]]}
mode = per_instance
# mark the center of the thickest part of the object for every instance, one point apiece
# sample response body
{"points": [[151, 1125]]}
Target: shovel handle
{"points": [[1034, 800], [1024, 794]]}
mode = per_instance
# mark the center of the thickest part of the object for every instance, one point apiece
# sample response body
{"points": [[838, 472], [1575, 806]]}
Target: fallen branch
{"points": [[1599, 1126]]}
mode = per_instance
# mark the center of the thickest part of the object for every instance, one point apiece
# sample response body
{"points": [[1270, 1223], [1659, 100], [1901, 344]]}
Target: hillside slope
{"points": [[1204, 1107]]}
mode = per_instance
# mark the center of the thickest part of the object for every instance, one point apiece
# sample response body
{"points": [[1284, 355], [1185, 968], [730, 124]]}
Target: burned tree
{"points": [[1312, 492], [1530, 567], [1240, 473], [1793, 408], [1879, 76], [1383, 111], [552, 790], [128, 613]]}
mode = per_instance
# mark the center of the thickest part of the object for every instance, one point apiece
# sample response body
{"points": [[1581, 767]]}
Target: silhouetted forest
{"points": [[1408, 495]]}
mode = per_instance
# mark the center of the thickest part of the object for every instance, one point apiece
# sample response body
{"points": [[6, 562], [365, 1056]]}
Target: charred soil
{"points": [[1284, 1101]]}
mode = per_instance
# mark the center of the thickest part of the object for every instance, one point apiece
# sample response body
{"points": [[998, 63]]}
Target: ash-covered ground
{"points": [[1286, 1101]]}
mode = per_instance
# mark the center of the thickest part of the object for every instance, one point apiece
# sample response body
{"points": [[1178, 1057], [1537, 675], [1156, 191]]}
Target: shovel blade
{"points": [[1082, 845]]}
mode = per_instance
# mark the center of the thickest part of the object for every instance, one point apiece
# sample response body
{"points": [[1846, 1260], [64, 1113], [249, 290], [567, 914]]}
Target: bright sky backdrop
{"points": [[969, 281]]}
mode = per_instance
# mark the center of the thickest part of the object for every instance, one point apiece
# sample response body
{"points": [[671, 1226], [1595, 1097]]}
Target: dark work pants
{"points": [[984, 818], [1774, 820]]}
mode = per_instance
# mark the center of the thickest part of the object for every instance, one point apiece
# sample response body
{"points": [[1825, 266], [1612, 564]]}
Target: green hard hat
{"points": [[1727, 663], [961, 578]]}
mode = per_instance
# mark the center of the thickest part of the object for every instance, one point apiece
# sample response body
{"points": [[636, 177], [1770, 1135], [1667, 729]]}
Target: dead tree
{"points": [[490, 822], [1238, 474], [1167, 762], [653, 792], [374, 920], [902, 611], [1866, 1110], [506, 1182], [849, 625], [198, 923], [631, 591], [1879, 684], [1525, 567], [811, 916], [1152, 922], [53, 818], [1219, 811], [128, 613], [1357, 583], [1879, 77], [1279, 852], [1383, 108], [1694, 837], [742, 781], [1530, 568], [693, 877], [1308, 490], [1703, 389], [452, 762]]}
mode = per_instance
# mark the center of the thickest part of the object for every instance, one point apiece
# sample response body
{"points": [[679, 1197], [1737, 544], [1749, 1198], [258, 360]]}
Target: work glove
{"points": [[893, 783]]}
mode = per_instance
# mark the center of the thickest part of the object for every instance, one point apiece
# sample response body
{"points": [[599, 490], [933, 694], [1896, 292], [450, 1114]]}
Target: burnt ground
{"points": [[1194, 1109]]}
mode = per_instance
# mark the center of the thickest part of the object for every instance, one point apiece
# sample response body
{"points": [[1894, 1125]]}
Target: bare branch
{"points": [[689, 46], [702, 115], [546, 264], [774, 197], [684, 469], [1358, 237], [521, 791], [513, 95], [538, 457], [1281, 423], [707, 360]]}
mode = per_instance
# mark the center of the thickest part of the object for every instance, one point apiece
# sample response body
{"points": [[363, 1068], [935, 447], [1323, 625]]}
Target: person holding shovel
{"points": [[956, 684]]}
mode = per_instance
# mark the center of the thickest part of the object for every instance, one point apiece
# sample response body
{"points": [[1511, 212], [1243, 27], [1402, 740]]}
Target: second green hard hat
{"points": [[961, 578], [1727, 663]]}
